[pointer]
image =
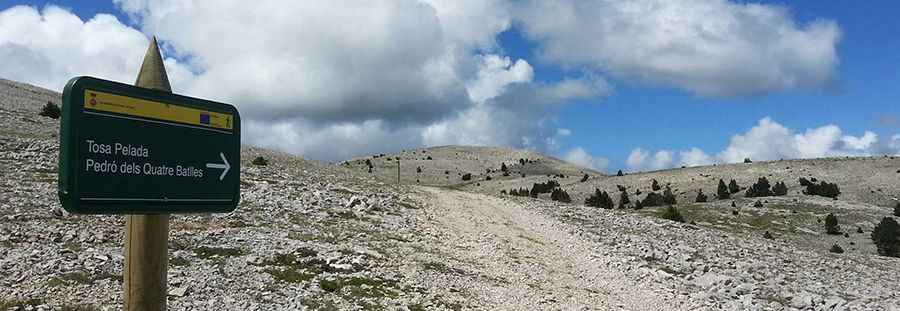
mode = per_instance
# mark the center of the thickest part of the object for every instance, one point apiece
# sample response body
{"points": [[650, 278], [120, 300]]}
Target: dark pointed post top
{"points": [[153, 71]]}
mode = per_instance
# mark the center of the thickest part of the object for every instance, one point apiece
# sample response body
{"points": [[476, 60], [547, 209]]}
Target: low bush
{"points": [[824, 189], [260, 161], [804, 182], [831, 224], [733, 187], [701, 198], [780, 189], [747, 160], [768, 236], [560, 195], [669, 197], [897, 209], [585, 178], [836, 249], [599, 199], [761, 188], [623, 199], [50, 110], [655, 185], [671, 213], [546, 187], [886, 236], [652, 199], [722, 191], [467, 176]]}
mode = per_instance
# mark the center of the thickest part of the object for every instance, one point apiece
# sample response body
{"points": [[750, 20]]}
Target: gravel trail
{"points": [[547, 266]]}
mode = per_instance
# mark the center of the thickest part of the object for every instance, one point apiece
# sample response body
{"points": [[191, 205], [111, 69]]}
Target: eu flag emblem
{"points": [[204, 118]]}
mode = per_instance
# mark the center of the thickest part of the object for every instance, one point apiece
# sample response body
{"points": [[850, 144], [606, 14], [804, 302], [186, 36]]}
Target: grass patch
{"points": [[206, 252], [179, 262], [81, 277], [289, 275]]}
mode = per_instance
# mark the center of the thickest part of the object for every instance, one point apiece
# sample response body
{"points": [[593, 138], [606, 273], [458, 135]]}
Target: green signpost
{"points": [[132, 150]]}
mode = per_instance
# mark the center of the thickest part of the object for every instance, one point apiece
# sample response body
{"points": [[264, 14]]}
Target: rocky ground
{"points": [[323, 237]]}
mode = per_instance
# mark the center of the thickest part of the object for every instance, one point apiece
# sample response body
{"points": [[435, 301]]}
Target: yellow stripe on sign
{"points": [[101, 101]]}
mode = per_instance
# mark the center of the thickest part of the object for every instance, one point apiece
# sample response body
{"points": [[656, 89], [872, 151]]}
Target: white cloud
{"points": [[695, 157], [581, 158], [494, 74], [48, 47], [769, 140], [708, 47], [864, 142], [636, 158]]}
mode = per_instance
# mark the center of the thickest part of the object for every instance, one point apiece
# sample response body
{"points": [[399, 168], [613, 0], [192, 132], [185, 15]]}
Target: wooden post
{"points": [[147, 236]]}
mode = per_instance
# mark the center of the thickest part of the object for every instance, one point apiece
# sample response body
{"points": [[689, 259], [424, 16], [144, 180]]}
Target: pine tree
{"points": [[668, 197], [50, 110], [780, 189], [722, 191], [885, 237], [733, 187], [761, 188], [599, 199], [831, 224], [671, 213], [701, 198], [620, 173], [623, 199]]}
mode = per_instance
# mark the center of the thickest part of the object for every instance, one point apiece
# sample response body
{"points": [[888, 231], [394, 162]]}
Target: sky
{"points": [[631, 85]]}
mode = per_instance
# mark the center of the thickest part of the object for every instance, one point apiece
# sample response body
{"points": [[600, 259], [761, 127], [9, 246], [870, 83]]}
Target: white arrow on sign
{"points": [[225, 167]]}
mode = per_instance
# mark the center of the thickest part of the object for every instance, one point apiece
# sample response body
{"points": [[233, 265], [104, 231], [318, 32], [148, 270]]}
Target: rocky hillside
{"points": [[447, 165], [320, 237]]}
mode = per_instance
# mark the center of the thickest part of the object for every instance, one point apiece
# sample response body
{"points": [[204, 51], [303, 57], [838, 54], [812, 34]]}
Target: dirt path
{"points": [[545, 266]]}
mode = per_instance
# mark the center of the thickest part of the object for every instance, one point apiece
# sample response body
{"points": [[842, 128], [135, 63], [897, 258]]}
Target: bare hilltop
{"points": [[453, 235]]}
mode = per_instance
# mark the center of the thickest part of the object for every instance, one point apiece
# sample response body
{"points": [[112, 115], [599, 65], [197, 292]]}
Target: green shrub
{"points": [[836, 249], [757, 204], [761, 188], [624, 199], [886, 236], [669, 197], [546, 187], [733, 187], [503, 167], [50, 110], [768, 236], [804, 182], [701, 198], [655, 185], [671, 213], [831, 224], [585, 178], [599, 199], [260, 161], [722, 191], [652, 199], [824, 189], [747, 160], [620, 174], [897, 209], [467, 176], [418, 169], [780, 189], [560, 195]]}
